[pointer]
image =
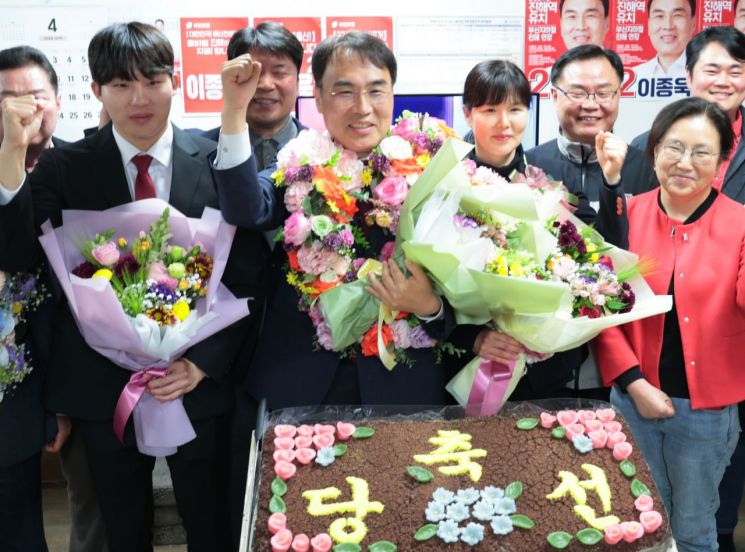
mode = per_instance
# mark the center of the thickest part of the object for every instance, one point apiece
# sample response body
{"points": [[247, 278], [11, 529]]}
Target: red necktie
{"points": [[144, 185]]}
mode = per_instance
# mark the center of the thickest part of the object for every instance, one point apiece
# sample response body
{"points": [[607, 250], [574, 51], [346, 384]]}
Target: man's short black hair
{"points": [[728, 37], [691, 3], [603, 2], [121, 50], [365, 45], [585, 52], [271, 37], [494, 82], [23, 56]]}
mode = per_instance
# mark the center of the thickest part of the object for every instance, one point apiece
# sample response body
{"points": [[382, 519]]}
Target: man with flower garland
{"points": [[132, 69], [354, 75]]}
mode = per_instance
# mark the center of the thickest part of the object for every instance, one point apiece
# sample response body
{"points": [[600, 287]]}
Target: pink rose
{"points": [[622, 450], [321, 542], [159, 273], [613, 534], [392, 190], [295, 194], [547, 420], [644, 503], [301, 543], [567, 417], [406, 128], [282, 540], [632, 530], [297, 229], [106, 254], [276, 522], [651, 520]]}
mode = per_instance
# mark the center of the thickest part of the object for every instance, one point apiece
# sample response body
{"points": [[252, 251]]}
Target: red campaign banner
{"points": [[308, 32], [382, 27], [720, 12], [204, 48], [552, 28], [651, 38]]}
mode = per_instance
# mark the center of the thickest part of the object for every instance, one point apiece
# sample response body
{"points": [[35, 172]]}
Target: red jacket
{"points": [[707, 259]]}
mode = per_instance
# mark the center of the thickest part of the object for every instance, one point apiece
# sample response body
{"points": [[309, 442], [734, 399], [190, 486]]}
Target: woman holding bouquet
{"points": [[678, 378], [496, 97]]}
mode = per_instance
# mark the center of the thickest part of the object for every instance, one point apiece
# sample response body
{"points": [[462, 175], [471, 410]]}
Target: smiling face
{"points": [[498, 130], [32, 80], [718, 77], [275, 95], [582, 121], [355, 98], [583, 22], [685, 181], [138, 108], [671, 26]]}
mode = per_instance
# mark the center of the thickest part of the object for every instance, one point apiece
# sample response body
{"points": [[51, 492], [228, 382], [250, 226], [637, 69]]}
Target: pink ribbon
{"points": [[488, 387], [131, 395]]}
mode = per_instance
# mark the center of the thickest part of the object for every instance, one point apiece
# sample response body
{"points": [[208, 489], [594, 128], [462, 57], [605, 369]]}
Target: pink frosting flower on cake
{"points": [[297, 229], [621, 451], [301, 543], [651, 520], [321, 429], [284, 470], [615, 438], [285, 430], [613, 534], [605, 414], [632, 530], [586, 415], [323, 440], [276, 522], [305, 430], [284, 443], [593, 425], [303, 442], [572, 430], [644, 503], [344, 430], [305, 455], [391, 190], [284, 455], [612, 426], [567, 417], [321, 542], [598, 438], [282, 540], [547, 420]]}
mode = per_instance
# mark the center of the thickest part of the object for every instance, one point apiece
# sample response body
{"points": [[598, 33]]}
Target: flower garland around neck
{"points": [[333, 199]]}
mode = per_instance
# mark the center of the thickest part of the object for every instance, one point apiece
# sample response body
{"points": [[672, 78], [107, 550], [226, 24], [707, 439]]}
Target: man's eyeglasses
{"points": [[580, 96], [349, 96], [676, 152]]}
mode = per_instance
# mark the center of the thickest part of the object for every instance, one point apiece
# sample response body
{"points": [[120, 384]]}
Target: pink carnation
{"points": [[158, 272], [392, 190], [295, 194], [406, 128], [106, 254], [401, 334], [315, 259], [297, 229]]}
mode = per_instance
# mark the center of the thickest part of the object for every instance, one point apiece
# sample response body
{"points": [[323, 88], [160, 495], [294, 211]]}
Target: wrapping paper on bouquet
{"points": [[138, 344]]}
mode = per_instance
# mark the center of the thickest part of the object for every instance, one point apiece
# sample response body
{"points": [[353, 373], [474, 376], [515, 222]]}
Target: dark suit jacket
{"points": [[89, 175], [214, 133], [286, 368], [734, 179]]}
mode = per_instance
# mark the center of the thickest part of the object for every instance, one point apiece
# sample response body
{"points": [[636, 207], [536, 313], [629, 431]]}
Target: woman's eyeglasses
{"points": [[699, 156]]}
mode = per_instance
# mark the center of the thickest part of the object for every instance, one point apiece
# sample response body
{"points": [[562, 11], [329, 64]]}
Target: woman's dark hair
{"points": [[24, 56], [119, 51], [367, 46], [727, 37], [494, 82], [685, 109], [271, 37]]}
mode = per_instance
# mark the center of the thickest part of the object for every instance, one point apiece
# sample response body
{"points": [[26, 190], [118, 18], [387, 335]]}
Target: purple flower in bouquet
{"points": [[379, 163], [163, 293], [465, 221], [420, 339], [627, 296], [401, 333], [303, 173], [84, 270], [159, 273], [357, 263], [126, 263], [332, 241], [17, 357], [350, 276], [347, 238]]}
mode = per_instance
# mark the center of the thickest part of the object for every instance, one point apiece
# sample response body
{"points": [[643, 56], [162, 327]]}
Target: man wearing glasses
{"points": [[585, 90]]}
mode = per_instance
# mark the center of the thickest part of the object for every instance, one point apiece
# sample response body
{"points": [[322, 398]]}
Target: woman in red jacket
{"points": [[678, 377]]}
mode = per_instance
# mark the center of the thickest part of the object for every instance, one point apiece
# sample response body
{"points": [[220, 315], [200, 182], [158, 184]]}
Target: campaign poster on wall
{"points": [[651, 38], [204, 48], [382, 27], [721, 12], [308, 31], [552, 27]]}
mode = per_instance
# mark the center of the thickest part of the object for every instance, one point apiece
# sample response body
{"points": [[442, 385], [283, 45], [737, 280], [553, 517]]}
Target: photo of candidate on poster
{"points": [[555, 26]]}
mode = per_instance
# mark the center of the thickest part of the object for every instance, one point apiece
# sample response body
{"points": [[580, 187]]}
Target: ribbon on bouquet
{"points": [[483, 386], [131, 395]]}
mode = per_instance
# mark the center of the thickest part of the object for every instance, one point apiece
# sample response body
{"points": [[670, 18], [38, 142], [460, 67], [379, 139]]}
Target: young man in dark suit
{"points": [[139, 155], [25, 426]]}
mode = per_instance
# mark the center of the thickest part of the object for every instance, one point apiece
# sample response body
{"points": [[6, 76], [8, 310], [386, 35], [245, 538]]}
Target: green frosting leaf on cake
{"points": [[559, 539], [527, 424], [421, 475], [589, 536], [426, 532], [276, 504], [363, 433], [558, 433], [279, 487], [521, 521], [513, 490], [627, 468], [347, 547], [340, 450], [638, 488], [382, 546]]}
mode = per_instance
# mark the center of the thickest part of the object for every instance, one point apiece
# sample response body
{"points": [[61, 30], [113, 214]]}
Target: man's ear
{"points": [[176, 81]]}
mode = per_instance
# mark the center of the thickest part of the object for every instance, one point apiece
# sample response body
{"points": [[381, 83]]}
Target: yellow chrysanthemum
{"points": [[594, 258], [516, 269], [278, 176], [103, 273], [181, 310], [144, 245], [366, 177], [122, 242], [183, 284], [17, 307], [423, 160]]}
